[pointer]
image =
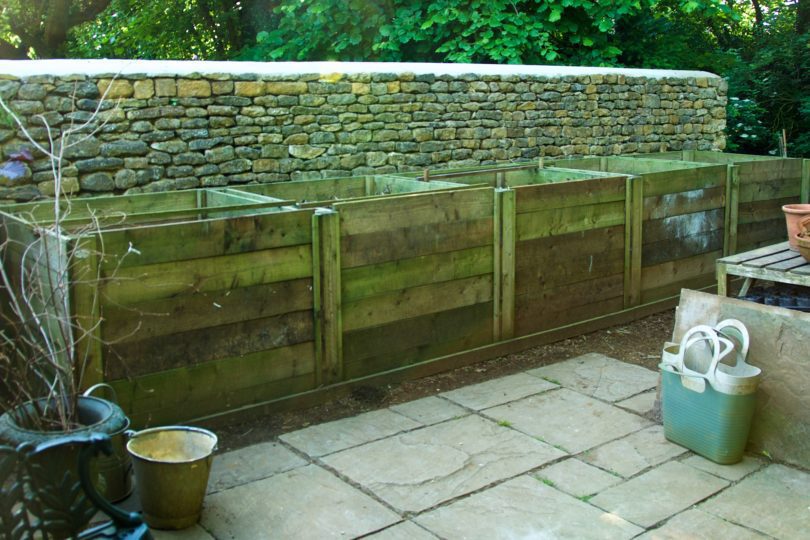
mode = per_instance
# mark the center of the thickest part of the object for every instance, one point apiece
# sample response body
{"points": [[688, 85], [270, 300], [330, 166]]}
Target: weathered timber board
{"points": [[160, 353], [526, 323], [184, 241], [162, 280], [415, 301], [366, 281], [414, 241]]}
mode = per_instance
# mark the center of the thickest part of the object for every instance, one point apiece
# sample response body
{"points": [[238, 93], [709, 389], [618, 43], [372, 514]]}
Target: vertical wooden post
{"points": [[805, 196], [732, 210], [722, 279], [508, 234], [327, 296], [634, 209], [83, 279], [497, 253]]}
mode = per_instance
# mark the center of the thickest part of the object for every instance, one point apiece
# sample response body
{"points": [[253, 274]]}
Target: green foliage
{"points": [[160, 29], [488, 31]]}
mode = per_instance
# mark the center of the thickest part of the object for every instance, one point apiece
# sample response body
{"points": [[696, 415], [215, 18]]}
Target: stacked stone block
{"points": [[157, 133]]}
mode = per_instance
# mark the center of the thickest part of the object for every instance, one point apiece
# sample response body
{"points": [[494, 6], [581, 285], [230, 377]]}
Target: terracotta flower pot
{"points": [[803, 238], [794, 213]]}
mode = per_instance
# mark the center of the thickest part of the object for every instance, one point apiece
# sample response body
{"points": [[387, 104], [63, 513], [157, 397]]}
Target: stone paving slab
{"points": [[304, 503], [524, 508], [403, 531], [698, 525], [568, 420], [599, 376], [249, 464], [774, 501], [498, 391], [658, 494], [734, 472], [640, 404], [417, 470], [632, 454], [430, 410], [334, 436], [577, 478]]}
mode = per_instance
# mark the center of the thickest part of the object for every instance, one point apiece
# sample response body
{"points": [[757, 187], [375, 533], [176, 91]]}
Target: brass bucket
{"points": [[172, 464]]}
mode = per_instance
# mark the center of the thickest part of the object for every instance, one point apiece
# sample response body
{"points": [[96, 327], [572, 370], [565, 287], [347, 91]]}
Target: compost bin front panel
{"points": [[208, 315], [570, 252], [417, 277]]}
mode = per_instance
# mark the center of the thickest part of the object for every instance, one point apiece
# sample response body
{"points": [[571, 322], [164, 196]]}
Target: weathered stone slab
{"points": [[568, 420], [250, 464], [407, 530], [524, 508], [779, 338], [341, 434], [775, 501], [659, 493], [307, 502], [641, 404], [577, 478], [417, 470], [498, 391], [599, 376], [734, 472], [697, 525], [632, 454], [430, 410]]}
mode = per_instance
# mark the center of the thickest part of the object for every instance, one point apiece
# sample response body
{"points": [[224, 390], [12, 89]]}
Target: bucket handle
{"points": [[742, 336], [106, 386]]}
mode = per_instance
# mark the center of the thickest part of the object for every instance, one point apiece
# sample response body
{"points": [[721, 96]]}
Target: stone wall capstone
{"points": [[165, 125]]}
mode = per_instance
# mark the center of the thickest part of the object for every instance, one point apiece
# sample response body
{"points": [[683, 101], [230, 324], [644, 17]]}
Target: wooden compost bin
{"points": [[409, 266], [759, 187], [204, 298], [678, 223], [563, 243]]}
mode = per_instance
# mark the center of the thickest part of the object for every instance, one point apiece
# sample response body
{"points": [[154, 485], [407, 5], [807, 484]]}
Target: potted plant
{"points": [[44, 346]]}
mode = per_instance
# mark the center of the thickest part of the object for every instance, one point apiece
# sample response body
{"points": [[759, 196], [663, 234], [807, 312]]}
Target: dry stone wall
{"points": [[177, 125]]}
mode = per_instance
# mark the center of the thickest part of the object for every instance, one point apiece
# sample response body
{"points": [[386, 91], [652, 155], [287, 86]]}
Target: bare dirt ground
{"points": [[638, 342]]}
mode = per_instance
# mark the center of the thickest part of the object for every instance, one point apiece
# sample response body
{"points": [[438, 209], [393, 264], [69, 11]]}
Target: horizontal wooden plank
{"points": [[417, 332], [574, 193], [402, 211], [206, 380], [758, 211], [555, 319], [703, 177], [768, 171], [755, 254], [366, 281], [162, 280], [681, 226], [570, 261], [754, 235], [414, 241], [183, 241], [668, 290], [394, 360], [203, 310], [680, 270], [569, 220], [681, 248], [684, 202], [570, 295], [416, 301], [154, 354], [768, 260], [312, 190], [780, 188]]}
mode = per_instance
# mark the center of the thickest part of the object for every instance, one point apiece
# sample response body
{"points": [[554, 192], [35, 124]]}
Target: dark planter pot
{"points": [[58, 465]]}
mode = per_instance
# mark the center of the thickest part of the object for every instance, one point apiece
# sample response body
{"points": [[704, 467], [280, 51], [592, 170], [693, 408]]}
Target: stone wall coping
{"points": [[28, 68]]}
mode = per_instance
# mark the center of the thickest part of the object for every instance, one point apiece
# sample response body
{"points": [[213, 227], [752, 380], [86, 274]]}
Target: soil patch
{"points": [[638, 342]]}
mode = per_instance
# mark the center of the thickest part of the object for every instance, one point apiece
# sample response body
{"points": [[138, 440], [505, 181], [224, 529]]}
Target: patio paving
{"points": [[562, 451]]}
